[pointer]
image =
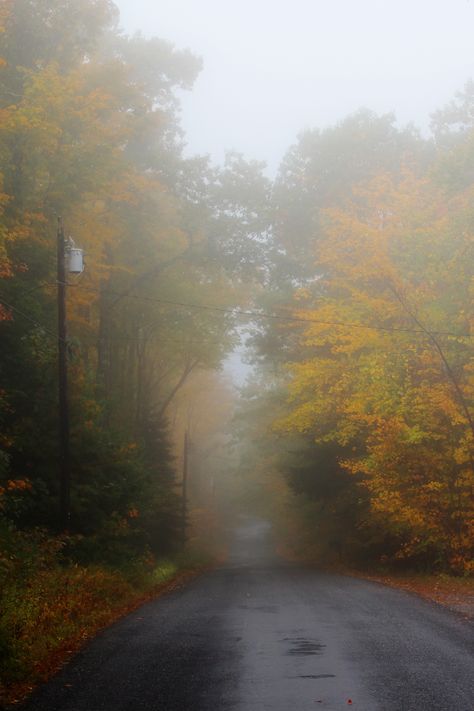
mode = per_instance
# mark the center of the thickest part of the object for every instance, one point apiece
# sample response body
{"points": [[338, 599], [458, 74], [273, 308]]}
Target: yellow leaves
{"points": [[392, 260], [302, 294], [434, 486], [463, 454]]}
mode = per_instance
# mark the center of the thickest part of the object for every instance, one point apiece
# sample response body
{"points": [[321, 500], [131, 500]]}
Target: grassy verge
{"points": [[46, 618]]}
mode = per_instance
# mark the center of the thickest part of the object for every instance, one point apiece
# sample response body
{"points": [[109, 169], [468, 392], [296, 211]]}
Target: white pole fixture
{"points": [[74, 258]]}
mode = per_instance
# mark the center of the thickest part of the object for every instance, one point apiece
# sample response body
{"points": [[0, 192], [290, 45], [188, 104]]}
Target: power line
{"points": [[27, 292], [237, 312], [33, 320], [119, 339], [278, 317], [153, 337]]}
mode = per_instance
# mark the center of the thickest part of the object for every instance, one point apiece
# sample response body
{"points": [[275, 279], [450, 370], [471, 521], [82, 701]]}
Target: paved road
{"points": [[258, 634]]}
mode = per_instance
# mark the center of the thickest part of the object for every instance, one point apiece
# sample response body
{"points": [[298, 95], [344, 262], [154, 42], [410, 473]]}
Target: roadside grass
{"points": [[44, 619]]}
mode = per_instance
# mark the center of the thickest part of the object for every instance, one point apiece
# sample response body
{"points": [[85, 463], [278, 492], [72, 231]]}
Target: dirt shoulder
{"points": [[455, 593]]}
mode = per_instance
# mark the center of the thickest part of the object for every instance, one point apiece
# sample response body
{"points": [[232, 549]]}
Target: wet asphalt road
{"points": [[259, 634]]}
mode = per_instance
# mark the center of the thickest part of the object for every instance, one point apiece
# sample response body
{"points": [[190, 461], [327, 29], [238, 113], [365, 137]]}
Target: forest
{"points": [[349, 275]]}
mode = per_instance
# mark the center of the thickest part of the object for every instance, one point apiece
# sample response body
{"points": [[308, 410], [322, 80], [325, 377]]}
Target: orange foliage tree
{"points": [[385, 366]]}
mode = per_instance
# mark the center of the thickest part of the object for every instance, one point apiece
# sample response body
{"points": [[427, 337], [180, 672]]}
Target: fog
{"points": [[247, 300], [272, 68]]}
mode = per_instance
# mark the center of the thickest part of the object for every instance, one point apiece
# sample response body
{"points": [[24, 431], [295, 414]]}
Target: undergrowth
{"points": [[50, 605]]}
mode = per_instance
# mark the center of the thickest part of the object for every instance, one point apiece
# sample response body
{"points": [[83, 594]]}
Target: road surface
{"points": [[258, 634]]}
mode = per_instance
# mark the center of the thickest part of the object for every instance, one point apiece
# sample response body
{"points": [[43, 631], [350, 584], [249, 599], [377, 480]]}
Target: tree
{"points": [[388, 363], [89, 130]]}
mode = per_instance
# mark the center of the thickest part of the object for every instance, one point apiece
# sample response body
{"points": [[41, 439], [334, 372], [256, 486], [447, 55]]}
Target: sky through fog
{"points": [[274, 67]]}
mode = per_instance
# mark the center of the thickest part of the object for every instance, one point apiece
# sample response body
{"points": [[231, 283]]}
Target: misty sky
{"points": [[273, 67]]}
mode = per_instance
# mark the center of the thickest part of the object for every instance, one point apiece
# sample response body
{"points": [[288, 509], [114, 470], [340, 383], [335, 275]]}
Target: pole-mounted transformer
{"points": [[74, 257]]}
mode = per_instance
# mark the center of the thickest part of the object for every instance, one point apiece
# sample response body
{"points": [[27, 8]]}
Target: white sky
{"points": [[274, 67]]}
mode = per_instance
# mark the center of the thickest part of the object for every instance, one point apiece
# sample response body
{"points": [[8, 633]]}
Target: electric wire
{"points": [[119, 339], [231, 311], [33, 321], [278, 317]]}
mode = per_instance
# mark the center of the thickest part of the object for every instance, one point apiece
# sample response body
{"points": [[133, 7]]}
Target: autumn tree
{"points": [[89, 130], [387, 371]]}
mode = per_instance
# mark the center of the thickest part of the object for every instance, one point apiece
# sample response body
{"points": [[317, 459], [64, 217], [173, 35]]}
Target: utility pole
{"points": [[184, 500], [64, 454]]}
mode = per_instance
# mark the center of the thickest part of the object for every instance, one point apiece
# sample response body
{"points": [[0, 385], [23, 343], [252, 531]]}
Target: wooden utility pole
{"points": [[184, 500], [64, 454]]}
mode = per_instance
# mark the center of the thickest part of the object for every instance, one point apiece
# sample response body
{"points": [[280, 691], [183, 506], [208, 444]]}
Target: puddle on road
{"points": [[304, 647]]}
